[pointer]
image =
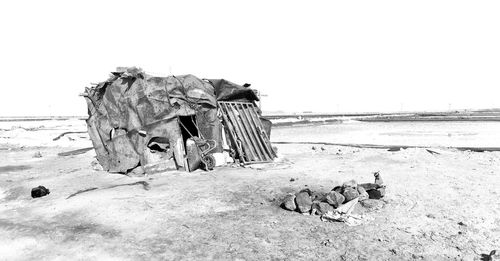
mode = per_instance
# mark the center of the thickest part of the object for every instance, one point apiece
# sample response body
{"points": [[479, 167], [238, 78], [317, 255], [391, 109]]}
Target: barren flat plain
{"points": [[441, 203]]}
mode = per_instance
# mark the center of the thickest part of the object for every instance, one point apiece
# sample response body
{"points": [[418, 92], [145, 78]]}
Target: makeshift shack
{"points": [[141, 123]]}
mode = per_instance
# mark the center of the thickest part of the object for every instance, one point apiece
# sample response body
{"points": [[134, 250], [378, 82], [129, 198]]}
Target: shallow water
{"points": [[446, 134]]}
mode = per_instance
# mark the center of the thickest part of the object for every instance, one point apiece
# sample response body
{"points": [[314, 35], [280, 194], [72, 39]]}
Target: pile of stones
{"points": [[307, 201]]}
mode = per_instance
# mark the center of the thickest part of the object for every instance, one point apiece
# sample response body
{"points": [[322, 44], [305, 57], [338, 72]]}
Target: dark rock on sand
{"points": [[289, 203], [338, 189], [372, 203], [362, 193], [303, 201], [376, 193], [324, 207], [309, 192], [350, 184], [369, 186], [39, 191], [321, 208], [334, 198], [350, 194], [318, 196]]}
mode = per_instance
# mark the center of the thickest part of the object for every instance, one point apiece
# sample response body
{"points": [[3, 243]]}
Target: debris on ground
{"points": [[327, 242], [145, 186], [39, 191], [432, 152], [81, 191], [344, 214], [66, 133], [74, 152], [491, 256], [338, 204]]}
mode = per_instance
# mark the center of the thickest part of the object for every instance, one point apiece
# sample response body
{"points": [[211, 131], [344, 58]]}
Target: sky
{"points": [[320, 56]]}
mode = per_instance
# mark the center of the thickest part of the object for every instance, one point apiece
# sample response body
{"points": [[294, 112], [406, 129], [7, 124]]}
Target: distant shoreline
{"points": [[428, 119], [41, 118], [290, 119]]}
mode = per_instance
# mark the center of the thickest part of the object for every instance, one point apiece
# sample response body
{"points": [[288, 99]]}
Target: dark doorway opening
{"points": [[188, 127]]}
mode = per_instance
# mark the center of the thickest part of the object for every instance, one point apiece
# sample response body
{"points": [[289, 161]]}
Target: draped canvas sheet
{"points": [[132, 108]]}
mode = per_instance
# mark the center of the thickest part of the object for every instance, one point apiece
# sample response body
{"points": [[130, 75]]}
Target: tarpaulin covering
{"points": [[228, 91], [134, 117]]}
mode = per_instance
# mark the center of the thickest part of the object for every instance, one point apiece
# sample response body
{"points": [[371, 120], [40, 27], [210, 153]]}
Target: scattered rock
{"points": [[431, 216], [341, 199], [369, 186], [350, 184], [309, 192], [462, 224], [376, 193], [363, 195], [372, 204], [315, 208], [334, 198], [324, 207], [338, 189], [313, 148], [289, 203], [37, 154], [350, 194], [303, 201], [322, 148], [318, 196], [39, 191]]}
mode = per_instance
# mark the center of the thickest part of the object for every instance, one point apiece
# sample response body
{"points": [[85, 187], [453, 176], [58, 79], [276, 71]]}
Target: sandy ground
{"points": [[438, 206]]}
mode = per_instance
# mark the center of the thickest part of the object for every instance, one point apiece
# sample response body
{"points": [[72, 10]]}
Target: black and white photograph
{"points": [[250, 130]]}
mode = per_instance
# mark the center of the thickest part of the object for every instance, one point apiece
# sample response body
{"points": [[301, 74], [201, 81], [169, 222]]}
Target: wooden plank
{"points": [[255, 136], [247, 126], [258, 126], [239, 130], [263, 135], [248, 153], [232, 133]]}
